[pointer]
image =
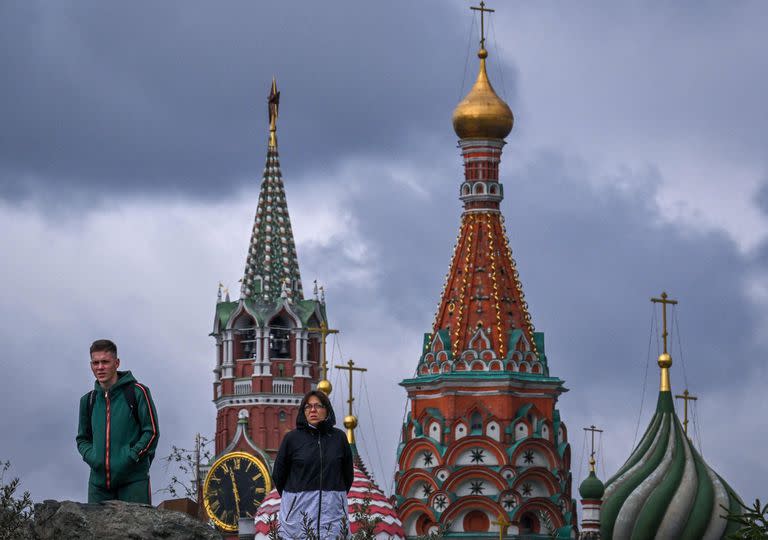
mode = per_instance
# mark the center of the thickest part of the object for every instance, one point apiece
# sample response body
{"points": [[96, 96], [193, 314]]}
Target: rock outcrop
{"points": [[113, 520]]}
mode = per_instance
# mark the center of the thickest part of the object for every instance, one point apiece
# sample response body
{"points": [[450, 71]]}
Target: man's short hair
{"points": [[104, 345]]}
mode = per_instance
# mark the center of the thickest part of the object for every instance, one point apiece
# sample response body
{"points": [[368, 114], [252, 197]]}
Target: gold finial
{"points": [[324, 385], [273, 104], [592, 460], [502, 522], [686, 397], [665, 359], [350, 421], [482, 114]]}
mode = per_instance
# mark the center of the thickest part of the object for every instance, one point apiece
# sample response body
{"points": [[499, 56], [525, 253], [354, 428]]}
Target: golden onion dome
{"points": [[482, 114]]}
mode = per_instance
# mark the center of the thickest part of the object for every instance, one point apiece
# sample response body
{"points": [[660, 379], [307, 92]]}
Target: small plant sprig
{"points": [[15, 513], [753, 521]]}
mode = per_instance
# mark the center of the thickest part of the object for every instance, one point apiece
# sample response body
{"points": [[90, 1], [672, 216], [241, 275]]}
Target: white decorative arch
{"points": [[480, 340]]}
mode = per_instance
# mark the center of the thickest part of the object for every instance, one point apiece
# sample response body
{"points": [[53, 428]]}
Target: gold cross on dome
{"points": [[483, 10], [664, 301], [594, 430], [686, 397], [350, 367], [324, 331]]}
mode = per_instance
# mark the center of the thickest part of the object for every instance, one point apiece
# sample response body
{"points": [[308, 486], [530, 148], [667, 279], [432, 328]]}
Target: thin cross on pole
{"points": [[324, 331], [594, 430], [686, 397], [483, 10], [664, 301], [351, 367]]}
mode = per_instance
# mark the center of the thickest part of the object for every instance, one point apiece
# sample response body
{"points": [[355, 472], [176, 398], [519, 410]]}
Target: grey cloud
{"points": [[145, 97]]}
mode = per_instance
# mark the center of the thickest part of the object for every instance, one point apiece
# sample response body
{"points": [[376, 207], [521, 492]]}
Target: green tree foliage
{"points": [[15, 513], [753, 521]]}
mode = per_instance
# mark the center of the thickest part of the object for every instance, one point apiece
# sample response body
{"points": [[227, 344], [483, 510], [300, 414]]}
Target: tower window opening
{"points": [[247, 341], [279, 339], [477, 423]]}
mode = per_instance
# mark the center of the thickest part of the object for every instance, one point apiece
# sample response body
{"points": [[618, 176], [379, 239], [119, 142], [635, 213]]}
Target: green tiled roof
{"points": [[262, 309]]}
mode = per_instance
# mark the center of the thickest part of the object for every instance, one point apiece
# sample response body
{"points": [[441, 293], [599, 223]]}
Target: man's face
{"points": [[104, 366]]}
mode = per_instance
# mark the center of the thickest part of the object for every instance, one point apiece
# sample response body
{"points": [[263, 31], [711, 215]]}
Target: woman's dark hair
{"points": [[319, 395]]}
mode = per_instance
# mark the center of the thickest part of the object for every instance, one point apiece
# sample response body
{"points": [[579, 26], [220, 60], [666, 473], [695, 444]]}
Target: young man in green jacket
{"points": [[117, 433]]}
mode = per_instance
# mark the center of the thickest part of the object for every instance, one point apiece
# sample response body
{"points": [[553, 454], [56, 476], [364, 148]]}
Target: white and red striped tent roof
{"points": [[363, 485]]}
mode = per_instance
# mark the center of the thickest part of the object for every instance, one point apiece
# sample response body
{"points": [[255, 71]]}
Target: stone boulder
{"points": [[114, 520]]}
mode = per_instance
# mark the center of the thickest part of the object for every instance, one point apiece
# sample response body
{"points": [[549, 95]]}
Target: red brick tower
{"points": [[268, 341], [483, 445]]}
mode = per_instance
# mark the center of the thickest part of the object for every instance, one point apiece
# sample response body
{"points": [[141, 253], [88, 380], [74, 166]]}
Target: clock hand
{"points": [[234, 488]]}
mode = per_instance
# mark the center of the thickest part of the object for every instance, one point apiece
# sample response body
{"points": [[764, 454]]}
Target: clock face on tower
{"points": [[235, 487]]}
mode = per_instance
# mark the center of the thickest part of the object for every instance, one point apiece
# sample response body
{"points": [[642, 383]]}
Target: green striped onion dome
{"points": [[665, 489]]}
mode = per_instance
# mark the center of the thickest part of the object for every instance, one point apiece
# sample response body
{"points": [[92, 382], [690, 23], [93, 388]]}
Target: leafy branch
{"points": [[753, 521], [15, 513], [185, 464]]}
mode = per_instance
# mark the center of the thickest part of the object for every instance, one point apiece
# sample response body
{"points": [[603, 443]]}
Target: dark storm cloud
{"points": [[148, 97]]}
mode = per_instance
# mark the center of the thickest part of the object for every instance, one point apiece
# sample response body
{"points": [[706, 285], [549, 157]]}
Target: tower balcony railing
{"points": [[282, 386], [243, 386]]}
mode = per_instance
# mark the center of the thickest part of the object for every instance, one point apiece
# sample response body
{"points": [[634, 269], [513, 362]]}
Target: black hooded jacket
{"points": [[309, 455]]}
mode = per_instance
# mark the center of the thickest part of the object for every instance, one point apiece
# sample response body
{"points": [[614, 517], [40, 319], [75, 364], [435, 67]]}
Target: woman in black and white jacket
{"points": [[313, 471]]}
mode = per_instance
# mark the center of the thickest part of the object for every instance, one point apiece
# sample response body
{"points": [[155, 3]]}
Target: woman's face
{"points": [[315, 411]]}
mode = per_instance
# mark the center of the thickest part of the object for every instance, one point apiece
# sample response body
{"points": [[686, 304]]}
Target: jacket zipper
{"points": [[320, 502], [106, 457]]}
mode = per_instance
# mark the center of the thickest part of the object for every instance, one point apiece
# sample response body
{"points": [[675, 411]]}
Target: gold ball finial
{"points": [[482, 53], [665, 360], [350, 421], [325, 387]]}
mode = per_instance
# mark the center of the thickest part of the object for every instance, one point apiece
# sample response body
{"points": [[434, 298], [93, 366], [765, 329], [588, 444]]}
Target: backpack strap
{"points": [[130, 398], [88, 427]]}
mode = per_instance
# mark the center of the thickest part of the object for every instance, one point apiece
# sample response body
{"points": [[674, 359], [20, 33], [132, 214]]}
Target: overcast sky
{"points": [[132, 140]]}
